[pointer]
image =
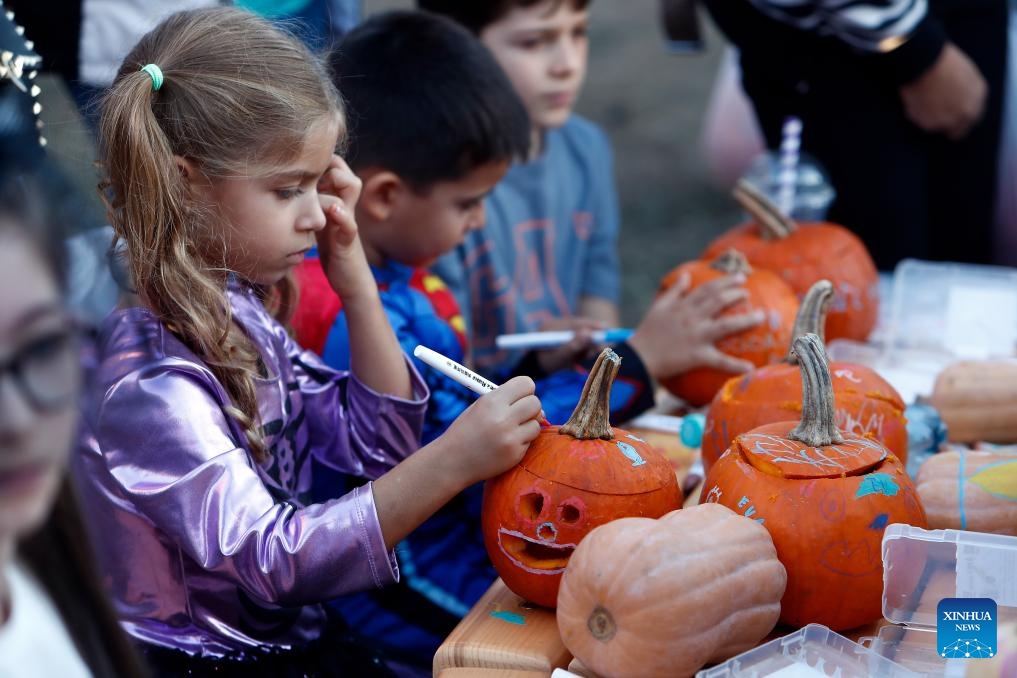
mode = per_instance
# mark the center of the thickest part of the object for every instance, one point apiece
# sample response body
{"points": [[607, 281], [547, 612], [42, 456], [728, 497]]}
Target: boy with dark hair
{"points": [[546, 258], [434, 124]]}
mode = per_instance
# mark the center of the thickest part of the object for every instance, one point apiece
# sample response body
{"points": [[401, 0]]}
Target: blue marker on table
{"points": [[527, 340]]}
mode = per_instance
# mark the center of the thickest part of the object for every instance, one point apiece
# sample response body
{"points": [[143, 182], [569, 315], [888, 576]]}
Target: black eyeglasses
{"points": [[47, 369]]}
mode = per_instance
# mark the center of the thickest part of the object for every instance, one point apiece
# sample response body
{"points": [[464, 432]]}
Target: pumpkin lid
{"points": [[768, 449], [813, 447]]}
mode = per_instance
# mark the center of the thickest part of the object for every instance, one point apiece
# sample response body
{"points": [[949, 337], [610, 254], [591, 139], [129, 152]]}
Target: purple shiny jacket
{"points": [[205, 550]]}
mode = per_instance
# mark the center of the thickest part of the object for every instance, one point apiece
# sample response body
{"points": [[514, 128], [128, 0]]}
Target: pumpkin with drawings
{"points": [[826, 499], [804, 253], [866, 404], [571, 479], [760, 345], [970, 490]]}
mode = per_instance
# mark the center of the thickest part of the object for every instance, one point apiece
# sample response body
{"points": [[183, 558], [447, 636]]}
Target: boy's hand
{"points": [[561, 357], [339, 248], [678, 333], [492, 435]]}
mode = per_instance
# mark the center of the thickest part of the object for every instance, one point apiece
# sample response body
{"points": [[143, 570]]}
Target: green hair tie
{"points": [[155, 73]]}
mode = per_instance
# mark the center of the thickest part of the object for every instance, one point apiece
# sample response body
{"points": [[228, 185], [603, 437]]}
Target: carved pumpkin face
{"points": [[536, 514]]}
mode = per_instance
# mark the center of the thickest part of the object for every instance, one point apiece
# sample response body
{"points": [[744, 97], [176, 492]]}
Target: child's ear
{"points": [[192, 177], [188, 170], [380, 195]]}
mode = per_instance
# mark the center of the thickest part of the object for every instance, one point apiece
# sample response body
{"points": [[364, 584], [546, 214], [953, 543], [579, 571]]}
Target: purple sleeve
{"points": [[382, 429], [169, 450]]}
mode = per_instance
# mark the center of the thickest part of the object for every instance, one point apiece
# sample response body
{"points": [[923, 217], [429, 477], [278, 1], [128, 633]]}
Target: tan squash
{"points": [[978, 401], [986, 500], [643, 597]]}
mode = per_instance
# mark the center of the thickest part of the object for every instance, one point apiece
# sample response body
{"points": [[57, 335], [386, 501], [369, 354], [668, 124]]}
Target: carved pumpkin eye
{"points": [[569, 513], [531, 504]]}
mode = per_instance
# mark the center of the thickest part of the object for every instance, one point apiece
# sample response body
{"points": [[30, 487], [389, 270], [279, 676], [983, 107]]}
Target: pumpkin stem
{"points": [[592, 417], [811, 316], [817, 427], [601, 624], [731, 262], [774, 224]]}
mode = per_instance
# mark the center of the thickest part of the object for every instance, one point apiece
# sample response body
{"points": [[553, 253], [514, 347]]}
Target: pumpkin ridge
{"points": [[704, 589], [758, 608]]}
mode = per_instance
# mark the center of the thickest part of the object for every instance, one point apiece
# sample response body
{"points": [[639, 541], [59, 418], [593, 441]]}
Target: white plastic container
{"points": [[813, 651], [933, 314], [963, 310], [920, 568]]}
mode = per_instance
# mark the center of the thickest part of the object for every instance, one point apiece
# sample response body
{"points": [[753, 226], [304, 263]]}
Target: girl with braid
{"points": [[206, 422]]}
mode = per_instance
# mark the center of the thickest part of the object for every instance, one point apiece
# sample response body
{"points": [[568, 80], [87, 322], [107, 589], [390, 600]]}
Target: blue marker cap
{"points": [[691, 432], [613, 336]]}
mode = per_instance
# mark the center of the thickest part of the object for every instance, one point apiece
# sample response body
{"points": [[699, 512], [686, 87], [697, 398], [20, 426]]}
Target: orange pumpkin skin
{"points": [[536, 513], [989, 497], [631, 600], [812, 252], [766, 343], [866, 405], [827, 527]]}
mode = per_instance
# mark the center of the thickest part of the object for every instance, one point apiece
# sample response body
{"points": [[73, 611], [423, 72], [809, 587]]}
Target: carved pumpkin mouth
{"points": [[537, 557]]}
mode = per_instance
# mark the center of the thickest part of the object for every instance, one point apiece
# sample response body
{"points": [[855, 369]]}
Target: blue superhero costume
{"points": [[444, 565]]}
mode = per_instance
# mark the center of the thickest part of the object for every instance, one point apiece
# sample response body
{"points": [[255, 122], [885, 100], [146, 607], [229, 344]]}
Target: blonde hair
{"points": [[238, 99]]}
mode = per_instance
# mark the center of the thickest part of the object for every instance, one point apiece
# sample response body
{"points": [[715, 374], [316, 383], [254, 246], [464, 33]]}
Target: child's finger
{"points": [[526, 408], [341, 226], [723, 361], [514, 389], [528, 431], [676, 291], [710, 305], [340, 181], [717, 284], [721, 327]]}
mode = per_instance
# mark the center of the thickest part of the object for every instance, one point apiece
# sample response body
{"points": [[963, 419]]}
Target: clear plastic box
{"points": [[933, 314], [963, 310], [920, 568], [813, 651]]}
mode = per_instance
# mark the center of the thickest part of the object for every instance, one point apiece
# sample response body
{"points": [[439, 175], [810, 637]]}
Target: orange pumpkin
{"points": [[571, 479], [760, 345], [663, 597], [826, 499], [970, 490], [805, 253], [866, 404]]}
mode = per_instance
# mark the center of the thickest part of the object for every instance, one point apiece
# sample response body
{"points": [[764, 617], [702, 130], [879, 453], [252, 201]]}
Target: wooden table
{"points": [[503, 631]]}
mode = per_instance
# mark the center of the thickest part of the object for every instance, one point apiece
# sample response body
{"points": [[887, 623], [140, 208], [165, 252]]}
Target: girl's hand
{"points": [[678, 333], [490, 437], [493, 434], [339, 247]]}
